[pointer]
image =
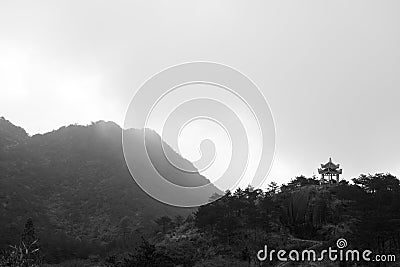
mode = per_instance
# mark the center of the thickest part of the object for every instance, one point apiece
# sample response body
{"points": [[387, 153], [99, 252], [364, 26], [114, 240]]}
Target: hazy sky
{"points": [[329, 70]]}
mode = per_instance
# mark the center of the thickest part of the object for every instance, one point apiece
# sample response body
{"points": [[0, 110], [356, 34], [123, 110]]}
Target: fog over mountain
{"points": [[74, 182]]}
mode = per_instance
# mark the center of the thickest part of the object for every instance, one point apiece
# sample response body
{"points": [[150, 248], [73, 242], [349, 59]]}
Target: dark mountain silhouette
{"points": [[74, 182]]}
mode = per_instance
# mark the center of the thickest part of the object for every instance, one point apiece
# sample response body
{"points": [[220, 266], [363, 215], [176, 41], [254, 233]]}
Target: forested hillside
{"points": [[67, 197], [299, 215], [74, 184]]}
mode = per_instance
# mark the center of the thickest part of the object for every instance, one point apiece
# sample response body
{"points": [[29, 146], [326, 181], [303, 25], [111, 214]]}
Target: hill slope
{"points": [[74, 181]]}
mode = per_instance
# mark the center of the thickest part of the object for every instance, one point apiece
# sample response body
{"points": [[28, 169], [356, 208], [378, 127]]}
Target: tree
{"points": [[29, 236], [179, 220], [165, 222], [377, 183], [147, 255], [272, 188], [25, 254], [124, 227], [300, 181]]}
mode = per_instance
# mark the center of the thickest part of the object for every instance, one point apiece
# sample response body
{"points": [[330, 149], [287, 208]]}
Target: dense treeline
{"points": [[230, 230], [366, 213], [297, 215]]}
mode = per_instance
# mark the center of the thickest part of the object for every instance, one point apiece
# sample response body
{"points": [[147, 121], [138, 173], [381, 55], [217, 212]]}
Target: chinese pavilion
{"points": [[330, 170]]}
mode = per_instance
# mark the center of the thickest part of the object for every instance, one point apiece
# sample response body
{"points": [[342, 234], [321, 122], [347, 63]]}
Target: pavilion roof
{"points": [[330, 165]]}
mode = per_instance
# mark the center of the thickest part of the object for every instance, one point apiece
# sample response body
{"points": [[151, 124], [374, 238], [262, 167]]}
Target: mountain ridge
{"points": [[74, 181]]}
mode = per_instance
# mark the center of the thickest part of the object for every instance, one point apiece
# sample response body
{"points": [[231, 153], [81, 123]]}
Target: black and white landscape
{"points": [[183, 133], [70, 195]]}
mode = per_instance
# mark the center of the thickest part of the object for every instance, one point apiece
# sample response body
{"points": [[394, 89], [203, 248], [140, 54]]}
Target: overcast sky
{"points": [[329, 70]]}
